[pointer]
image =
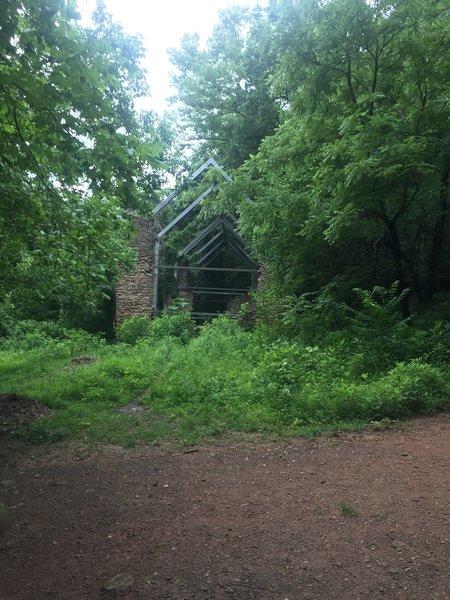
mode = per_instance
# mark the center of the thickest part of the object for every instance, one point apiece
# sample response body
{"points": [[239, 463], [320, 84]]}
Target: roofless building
{"points": [[207, 264]]}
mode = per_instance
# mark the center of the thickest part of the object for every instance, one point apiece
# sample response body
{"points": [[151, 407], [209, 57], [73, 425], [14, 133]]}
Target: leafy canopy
{"points": [[73, 153], [226, 105], [352, 189]]}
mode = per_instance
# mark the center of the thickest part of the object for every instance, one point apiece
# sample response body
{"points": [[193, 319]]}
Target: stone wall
{"points": [[262, 278], [235, 304], [134, 292]]}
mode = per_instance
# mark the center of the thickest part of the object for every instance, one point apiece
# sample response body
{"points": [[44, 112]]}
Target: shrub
{"points": [[134, 329], [180, 325], [31, 335], [8, 316], [381, 336], [291, 373], [408, 388], [221, 326], [223, 379]]}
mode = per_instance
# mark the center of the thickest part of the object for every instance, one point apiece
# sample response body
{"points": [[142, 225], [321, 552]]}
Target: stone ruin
{"points": [[134, 292], [137, 293]]}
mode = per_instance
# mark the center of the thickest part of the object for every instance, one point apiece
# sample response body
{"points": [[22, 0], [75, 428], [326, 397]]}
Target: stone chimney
{"points": [[134, 292]]}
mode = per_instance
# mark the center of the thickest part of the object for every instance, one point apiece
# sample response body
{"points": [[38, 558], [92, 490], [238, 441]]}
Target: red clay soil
{"points": [[362, 516]]}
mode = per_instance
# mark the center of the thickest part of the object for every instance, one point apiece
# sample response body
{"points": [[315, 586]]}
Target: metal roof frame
{"points": [[226, 237], [220, 246], [209, 163], [233, 231], [200, 236], [240, 252], [211, 241], [213, 256], [186, 211], [223, 220], [166, 201]]}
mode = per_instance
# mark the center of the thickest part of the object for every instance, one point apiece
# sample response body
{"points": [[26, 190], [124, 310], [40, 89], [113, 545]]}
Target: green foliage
{"points": [[351, 190], [308, 385], [379, 307], [221, 328], [74, 153], [348, 510], [377, 326], [177, 306], [270, 309], [8, 316], [181, 326], [408, 388], [134, 329], [223, 89], [294, 377], [225, 379], [30, 334]]}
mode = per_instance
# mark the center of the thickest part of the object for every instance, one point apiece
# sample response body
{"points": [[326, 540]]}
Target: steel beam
{"points": [[220, 246], [239, 252], [156, 275], [165, 202], [206, 290], [211, 241], [229, 269], [210, 163], [209, 261], [218, 293], [233, 231], [200, 236], [186, 211]]}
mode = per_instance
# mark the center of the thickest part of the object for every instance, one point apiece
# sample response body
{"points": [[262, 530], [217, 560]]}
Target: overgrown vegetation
{"points": [[340, 112], [74, 155], [334, 115], [225, 379]]}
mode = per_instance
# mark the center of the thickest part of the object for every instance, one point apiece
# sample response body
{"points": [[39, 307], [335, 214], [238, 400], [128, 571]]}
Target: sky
{"points": [[162, 23]]}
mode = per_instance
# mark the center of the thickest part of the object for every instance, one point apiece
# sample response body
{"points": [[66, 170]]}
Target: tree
{"points": [[73, 153], [352, 189], [223, 90]]}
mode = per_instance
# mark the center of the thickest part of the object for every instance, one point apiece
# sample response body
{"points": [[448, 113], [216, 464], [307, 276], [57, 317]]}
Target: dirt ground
{"points": [[356, 516]]}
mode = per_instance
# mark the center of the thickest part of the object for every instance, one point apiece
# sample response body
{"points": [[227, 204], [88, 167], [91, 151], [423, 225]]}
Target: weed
{"points": [[348, 510], [134, 329], [224, 380]]}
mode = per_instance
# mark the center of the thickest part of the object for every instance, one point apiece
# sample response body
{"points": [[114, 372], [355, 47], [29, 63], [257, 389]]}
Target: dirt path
{"points": [[237, 521]]}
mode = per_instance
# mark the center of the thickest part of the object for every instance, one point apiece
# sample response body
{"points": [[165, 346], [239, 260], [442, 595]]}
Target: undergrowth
{"points": [[223, 380]]}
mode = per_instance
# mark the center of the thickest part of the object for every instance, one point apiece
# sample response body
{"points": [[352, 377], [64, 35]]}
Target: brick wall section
{"points": [[134, 292]]}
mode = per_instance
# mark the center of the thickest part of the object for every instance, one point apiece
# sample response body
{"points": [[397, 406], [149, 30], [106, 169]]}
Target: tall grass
{"points": [[223, 380]]}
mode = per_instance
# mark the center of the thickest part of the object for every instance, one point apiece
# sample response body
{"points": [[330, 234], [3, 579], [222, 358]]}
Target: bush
{"points": [[134, 329], [409, 388], [290, 371], [8, 316], [224, 379], [30, 335], [180, 325]]}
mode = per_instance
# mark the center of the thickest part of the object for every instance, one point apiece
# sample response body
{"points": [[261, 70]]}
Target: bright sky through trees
{"points": [[161, 25]]}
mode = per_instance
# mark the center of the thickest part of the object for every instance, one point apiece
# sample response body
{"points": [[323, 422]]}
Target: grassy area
{"points": [[222, 380]]}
